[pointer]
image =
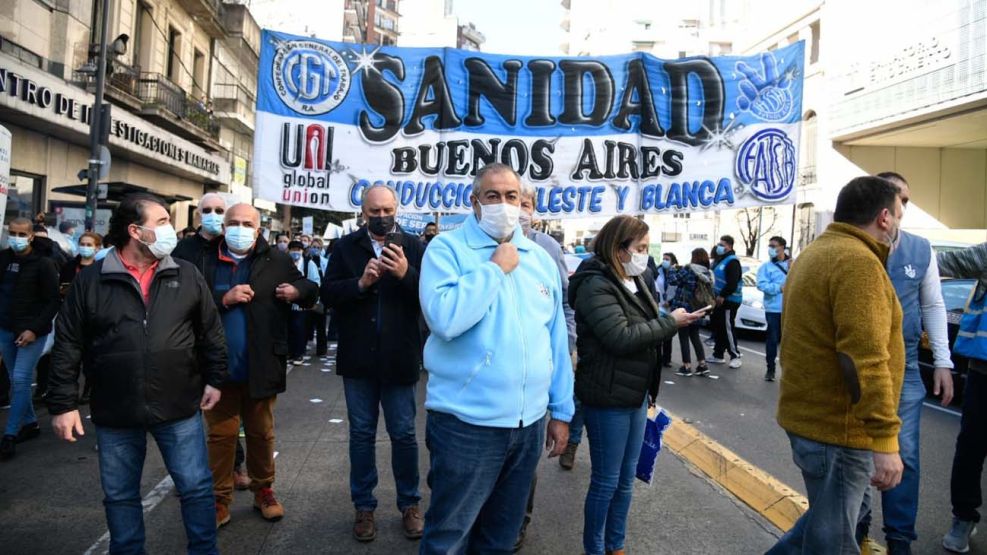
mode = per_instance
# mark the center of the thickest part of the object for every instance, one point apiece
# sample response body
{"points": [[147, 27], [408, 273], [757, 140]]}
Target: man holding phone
{"points": [[371, 282]]}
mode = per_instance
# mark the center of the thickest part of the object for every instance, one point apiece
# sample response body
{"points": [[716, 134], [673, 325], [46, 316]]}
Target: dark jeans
{"points": [[364, 399], [724, 317], [971, 449], [121, 462], [297, 339], [665, 351], [615, 437], [687, 334], [576, 424], [836, 479], [317, 323], [480, 479], [772, 340]]}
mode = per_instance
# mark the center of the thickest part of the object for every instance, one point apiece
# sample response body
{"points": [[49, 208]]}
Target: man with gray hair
{"points": [[498, 363], [211, 211], [554, 250], [371, 282]]}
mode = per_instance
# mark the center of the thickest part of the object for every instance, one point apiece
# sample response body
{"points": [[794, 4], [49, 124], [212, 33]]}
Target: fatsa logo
{"points": [[310, 77]]}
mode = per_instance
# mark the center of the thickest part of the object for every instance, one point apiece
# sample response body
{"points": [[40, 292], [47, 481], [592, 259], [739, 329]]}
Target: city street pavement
{"points": [[51, 497], [737, 409]]}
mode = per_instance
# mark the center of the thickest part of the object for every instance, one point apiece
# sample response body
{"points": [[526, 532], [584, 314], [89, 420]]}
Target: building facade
{"points": [[180, 96]]}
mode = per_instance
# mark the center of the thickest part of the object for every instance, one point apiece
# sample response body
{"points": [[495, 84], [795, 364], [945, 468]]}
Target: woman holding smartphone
{"points": [[618, 328]]}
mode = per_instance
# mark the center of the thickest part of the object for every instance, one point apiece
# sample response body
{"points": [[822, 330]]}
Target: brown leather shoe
{"points": [[267, 504], [568, 458], [241, 480], [413, 522], [365, 528], [222, 515]]}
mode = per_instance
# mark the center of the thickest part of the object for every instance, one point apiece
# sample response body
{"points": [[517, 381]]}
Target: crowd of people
{"points": [[189, 340]]}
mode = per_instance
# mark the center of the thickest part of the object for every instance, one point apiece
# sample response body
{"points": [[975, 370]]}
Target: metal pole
{"points": [[95, 119]]}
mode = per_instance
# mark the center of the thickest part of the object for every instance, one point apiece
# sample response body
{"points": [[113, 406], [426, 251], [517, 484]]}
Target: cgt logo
{"points": [[311, 78], [306, 147]]}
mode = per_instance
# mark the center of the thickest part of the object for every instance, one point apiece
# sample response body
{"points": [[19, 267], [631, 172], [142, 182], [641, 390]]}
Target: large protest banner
{"points": [[629, 134]]}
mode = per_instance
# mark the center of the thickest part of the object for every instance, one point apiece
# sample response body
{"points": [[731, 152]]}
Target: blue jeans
{"points": [[480, 479], [615, 438], [297, 340], [121, 462], [364, 399], [20, 362], [836, 479], [576, 424], [772, 339], [900, 505]]}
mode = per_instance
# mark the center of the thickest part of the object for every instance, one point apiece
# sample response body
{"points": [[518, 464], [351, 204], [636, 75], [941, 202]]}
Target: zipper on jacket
{"points": [[524, 348]]}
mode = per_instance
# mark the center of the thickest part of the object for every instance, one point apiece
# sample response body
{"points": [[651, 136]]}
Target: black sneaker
{"points": [[701, 370], [769, 377], [899, 547], [28, 432], [519, 542], [7, 448], [683, 371]]}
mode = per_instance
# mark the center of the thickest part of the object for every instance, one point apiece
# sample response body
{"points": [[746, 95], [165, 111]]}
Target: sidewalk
{"points": [[682, 512]]}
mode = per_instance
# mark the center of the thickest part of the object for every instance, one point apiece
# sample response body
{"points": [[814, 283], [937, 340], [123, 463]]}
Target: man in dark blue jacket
{"points": [[372, 284]]}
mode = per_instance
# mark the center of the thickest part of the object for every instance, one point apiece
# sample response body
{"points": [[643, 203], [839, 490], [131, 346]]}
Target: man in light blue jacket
{"points": [[498, 362], [771, 278]]}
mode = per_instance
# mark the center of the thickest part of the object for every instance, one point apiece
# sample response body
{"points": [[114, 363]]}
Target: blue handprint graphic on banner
{"points": [[765, 92]]}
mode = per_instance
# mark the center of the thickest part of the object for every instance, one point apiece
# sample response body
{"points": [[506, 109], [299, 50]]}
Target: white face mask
{"points": [[525, 220], [499, 220], [165, 240], [637, 265]]}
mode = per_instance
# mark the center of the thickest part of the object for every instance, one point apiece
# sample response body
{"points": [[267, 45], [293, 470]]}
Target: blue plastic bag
{"points": [[654, 428]]}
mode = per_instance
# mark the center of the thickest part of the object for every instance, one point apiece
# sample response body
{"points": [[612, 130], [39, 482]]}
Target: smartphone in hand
{"points": [[393, 238]]}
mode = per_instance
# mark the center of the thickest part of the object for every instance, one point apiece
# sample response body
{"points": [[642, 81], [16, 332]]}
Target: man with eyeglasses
{"points": [[211, 211]]}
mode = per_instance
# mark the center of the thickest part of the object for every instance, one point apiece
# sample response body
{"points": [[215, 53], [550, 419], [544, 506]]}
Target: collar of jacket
{"points": [[595, 265], [878, 248], [476, 238], [113, 265]]}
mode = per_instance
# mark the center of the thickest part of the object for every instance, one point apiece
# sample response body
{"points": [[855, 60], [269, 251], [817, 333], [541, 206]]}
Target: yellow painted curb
{"points": [[778, 503], [772, 499]]}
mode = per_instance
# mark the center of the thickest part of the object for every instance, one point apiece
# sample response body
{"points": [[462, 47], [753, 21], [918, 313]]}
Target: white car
{"points": [[751, 316]]}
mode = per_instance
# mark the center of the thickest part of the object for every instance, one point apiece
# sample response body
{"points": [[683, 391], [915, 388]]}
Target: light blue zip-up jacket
{"points": [[770, 280], [498, 353]]}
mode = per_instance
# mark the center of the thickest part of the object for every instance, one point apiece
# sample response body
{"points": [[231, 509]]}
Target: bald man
{"points": [[253, 286]]}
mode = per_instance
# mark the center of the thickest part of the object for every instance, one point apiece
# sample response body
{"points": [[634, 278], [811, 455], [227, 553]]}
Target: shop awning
{"points": [[116, 190]]}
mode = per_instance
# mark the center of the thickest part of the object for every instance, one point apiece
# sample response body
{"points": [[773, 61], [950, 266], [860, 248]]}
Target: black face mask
{"points": [[429, 237], [380, 225]]}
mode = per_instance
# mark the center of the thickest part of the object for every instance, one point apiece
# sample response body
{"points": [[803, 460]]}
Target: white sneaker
{"points": [[736, 363], [715, 360]]}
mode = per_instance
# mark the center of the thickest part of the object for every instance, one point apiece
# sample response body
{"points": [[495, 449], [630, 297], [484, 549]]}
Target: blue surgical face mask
{"points": [[18, 244], [239, 238], [212, 223], [666, 264], [87, 252], [296, 256], [721, 250]]}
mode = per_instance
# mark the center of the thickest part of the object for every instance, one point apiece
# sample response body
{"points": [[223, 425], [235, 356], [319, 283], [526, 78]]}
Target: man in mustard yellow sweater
{"points": [[843, 355]]}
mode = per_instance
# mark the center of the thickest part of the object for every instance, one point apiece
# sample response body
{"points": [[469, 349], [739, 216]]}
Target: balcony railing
{"points": [[157, 91], [233, 91]]}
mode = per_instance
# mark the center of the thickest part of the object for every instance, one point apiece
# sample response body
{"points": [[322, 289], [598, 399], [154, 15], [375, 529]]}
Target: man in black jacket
{"points": [[28, 302], [211, 210], [728, 288], [372, 283], [253, 286], [146, 330]]}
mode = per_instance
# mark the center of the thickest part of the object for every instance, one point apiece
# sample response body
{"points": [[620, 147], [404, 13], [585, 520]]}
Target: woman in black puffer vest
{"points": [[618, 331]]}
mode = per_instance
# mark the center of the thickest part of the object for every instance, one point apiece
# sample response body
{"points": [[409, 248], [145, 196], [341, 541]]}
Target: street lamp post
{"points": [[95, 119]]}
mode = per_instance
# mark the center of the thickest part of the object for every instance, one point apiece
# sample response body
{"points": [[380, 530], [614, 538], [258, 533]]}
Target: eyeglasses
{"points": [[219, 211]]}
